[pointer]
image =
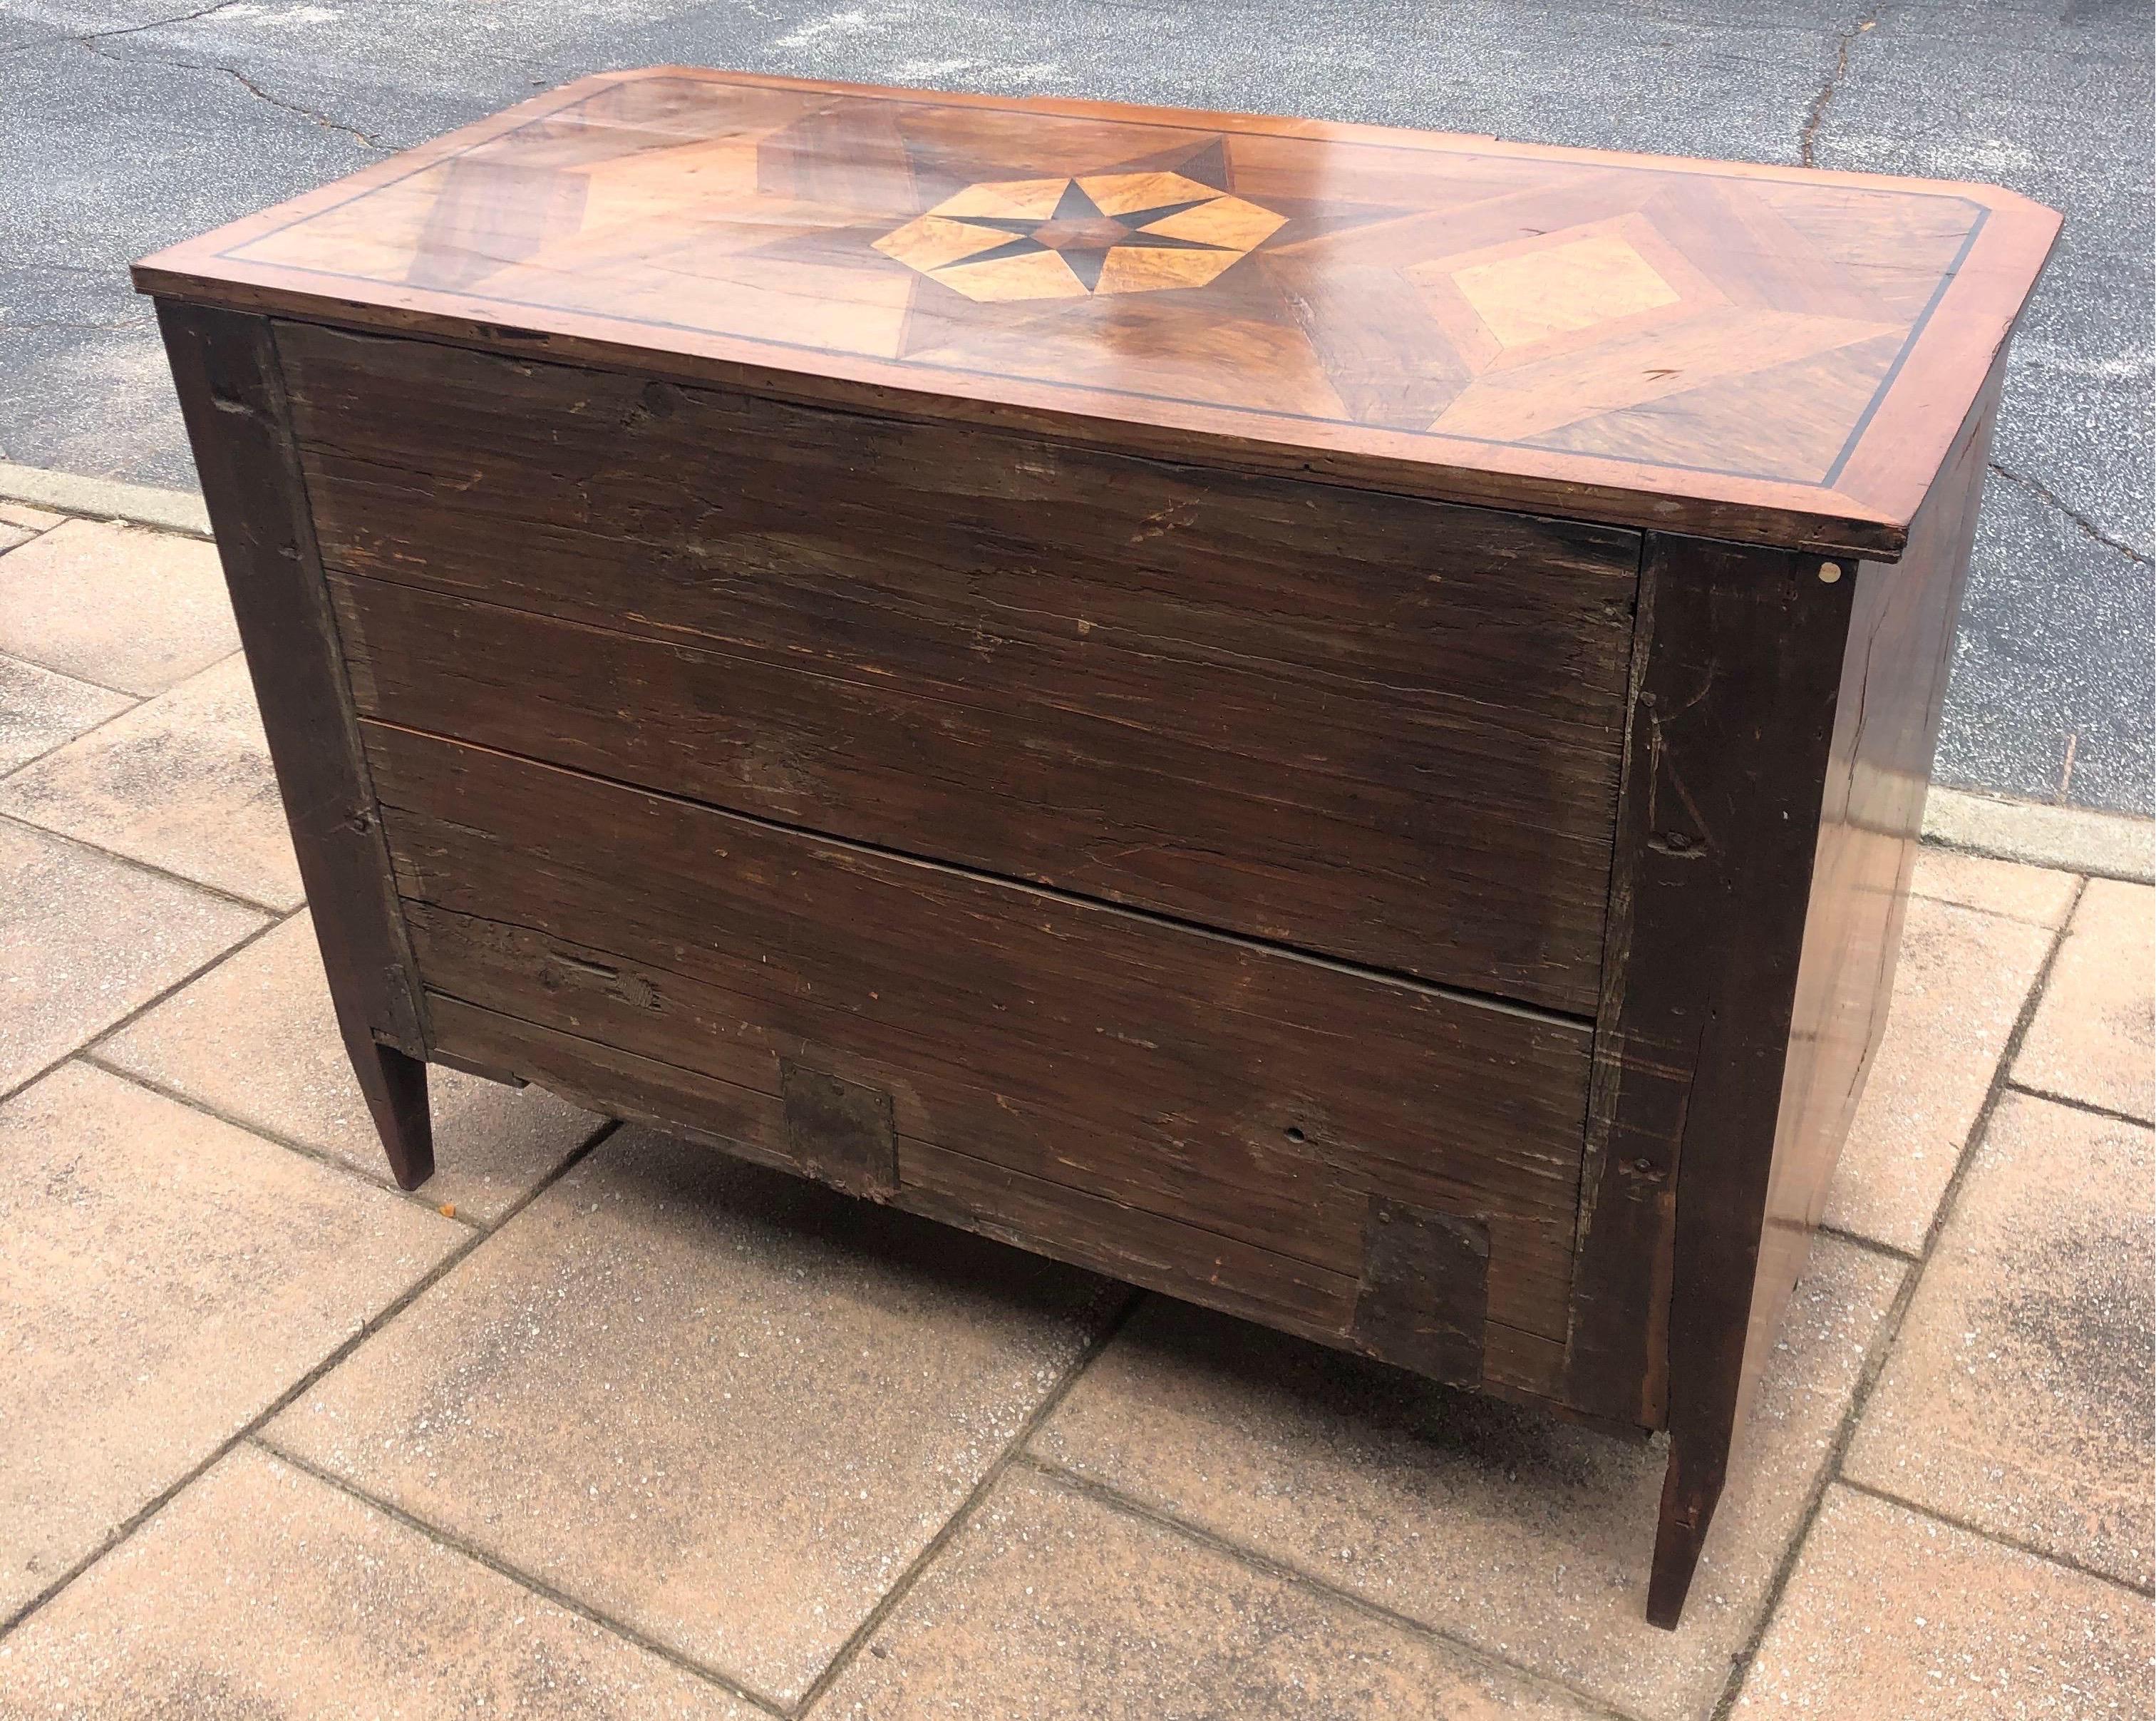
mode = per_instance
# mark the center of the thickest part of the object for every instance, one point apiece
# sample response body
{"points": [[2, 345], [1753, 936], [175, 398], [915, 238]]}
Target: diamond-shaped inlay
{"points": [[1539, 294], [1063, 239]]}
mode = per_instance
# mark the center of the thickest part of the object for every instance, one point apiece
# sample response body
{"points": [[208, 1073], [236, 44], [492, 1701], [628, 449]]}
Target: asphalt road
{"points": [[124, 126]]}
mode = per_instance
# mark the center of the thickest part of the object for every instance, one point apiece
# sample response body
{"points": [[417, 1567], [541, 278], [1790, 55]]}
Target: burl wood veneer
{"points": [[1329, 721]]}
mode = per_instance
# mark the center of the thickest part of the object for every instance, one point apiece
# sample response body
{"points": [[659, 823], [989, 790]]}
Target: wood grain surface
{"points": [[1382, 729], [1763, 353], [1739, 679], [1221, 1084], [238, 420], [1895, 669]]}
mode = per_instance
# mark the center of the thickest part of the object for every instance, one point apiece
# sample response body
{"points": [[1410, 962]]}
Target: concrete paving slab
{"points": [[1959, 986], [19, 524], [2044, 834], [2019, 1396], [1056, 1606], [165, 1277], [120, 606], [1524, 1536], [182, 782], [40, 709], [2094, 1037], [2039, 895], [1894, 1616], [90, 939], [255, 1039], [180, 511], [262, 1592], [722, 1405]]}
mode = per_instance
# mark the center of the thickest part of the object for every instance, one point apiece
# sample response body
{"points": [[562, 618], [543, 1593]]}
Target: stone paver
{"points": [[1522, 1534], [263, 1593], [182, 782], [722, 1405], [115, 605], [87, 939], [39, 709], [2021, 1395], [19, 523], [256, 1039], [1893, 1616], [2094, 1037], [2035, 894], [164, 1277], [1958, 989], [1054, 1607]]}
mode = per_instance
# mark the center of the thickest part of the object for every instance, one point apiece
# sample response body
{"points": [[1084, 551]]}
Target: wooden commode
{"points": [[1328, 721]]}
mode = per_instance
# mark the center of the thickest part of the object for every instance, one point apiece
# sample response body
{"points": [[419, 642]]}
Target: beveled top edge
{"points": [[1880, 485]]}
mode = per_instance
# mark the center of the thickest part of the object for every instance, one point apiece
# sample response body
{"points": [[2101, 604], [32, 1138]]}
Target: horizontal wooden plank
{"points": [[1262, 1094], [1088, 1230], [1383, 729], [747, 1121]]}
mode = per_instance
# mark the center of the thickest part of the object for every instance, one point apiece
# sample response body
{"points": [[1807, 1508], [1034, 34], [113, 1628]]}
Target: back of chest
{"points": [[1316, 719]]}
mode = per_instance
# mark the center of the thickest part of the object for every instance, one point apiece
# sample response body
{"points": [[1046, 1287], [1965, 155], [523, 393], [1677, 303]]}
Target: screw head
{"points": [[1829, 571]]}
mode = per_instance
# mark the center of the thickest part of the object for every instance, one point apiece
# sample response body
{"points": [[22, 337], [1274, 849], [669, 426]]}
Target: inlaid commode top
{"points": [[1765, 354]]}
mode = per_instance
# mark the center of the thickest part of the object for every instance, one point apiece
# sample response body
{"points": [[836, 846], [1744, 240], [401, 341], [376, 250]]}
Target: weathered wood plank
{"points": [[1425, 1295], [1378, 728], [1222, 1081], [1894, 675], [1818, 928], [744, 1121], [233, 400], [1086, 1230], [1091, 1231], [1740, 659]]}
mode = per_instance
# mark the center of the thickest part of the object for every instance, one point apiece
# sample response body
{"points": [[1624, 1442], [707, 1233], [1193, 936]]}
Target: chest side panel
{"points": [[1382, 729]]}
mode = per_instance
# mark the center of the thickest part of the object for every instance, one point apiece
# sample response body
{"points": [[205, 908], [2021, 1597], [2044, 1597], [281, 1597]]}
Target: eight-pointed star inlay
{"points": [[1061, 238]]}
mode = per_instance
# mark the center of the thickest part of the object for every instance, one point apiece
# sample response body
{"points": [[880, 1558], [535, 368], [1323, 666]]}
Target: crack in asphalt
{"points": [[2045, 494], [89, 36], [1809, 136], [89, 45], [323, 120]]}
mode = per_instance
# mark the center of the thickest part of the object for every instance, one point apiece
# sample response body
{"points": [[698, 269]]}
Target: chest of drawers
{"points": [[1331, 721]]}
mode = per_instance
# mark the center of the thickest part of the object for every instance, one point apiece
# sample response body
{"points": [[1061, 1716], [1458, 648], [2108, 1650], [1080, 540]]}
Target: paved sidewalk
{"points": [[599, 1425]]}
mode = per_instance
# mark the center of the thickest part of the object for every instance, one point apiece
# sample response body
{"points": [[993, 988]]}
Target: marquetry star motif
{"points": [[1066, 238]]}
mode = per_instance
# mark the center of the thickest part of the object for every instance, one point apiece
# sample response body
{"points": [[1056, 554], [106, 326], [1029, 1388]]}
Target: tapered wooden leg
{"points": [[396, 1090], [1691, 1487], [232, 394]]}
